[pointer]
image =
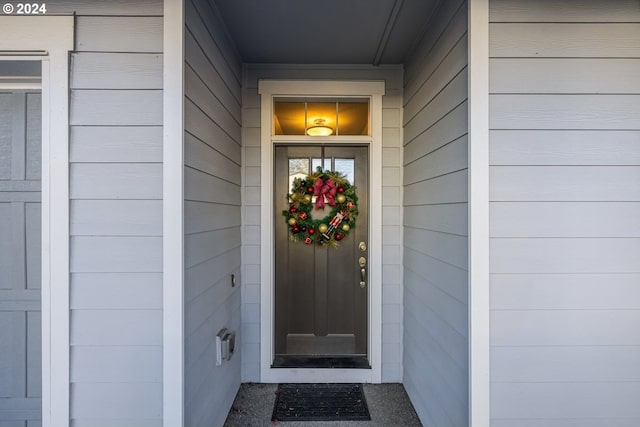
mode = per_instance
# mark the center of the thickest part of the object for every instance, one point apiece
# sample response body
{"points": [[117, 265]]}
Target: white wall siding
{"points": [[565, 213], [435, 221], [119, 33], [391, 209], [94, 8], [392, 308], [116, 214], [117, 71], [212, 184]]}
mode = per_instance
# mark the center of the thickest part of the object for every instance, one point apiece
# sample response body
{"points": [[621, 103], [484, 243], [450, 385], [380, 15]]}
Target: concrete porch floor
{"points": [[388, 404]]}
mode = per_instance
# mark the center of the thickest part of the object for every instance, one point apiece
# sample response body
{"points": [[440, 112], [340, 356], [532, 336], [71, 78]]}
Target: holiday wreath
{"points": [[313, 192]]}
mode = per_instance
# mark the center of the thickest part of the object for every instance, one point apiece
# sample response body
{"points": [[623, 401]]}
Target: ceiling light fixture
{"points": [[319, 128]]}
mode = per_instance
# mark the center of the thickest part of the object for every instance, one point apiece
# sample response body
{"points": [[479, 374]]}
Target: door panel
{"points": [[320, 308], [20, 248]]}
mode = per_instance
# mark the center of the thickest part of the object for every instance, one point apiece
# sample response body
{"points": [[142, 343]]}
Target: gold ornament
{"points": [[307, 198], [292, 221], [322, 228], [345, 227], [341, 198]]}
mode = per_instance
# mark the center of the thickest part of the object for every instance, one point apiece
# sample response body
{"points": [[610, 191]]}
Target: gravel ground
{"points": [[388, 404]]}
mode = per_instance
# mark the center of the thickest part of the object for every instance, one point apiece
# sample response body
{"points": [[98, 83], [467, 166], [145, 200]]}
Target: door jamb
{"points": [[49, 39], [268, 89]]}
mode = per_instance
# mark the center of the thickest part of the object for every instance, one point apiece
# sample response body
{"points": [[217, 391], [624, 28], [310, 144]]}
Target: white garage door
{"points": [[20, 330]]}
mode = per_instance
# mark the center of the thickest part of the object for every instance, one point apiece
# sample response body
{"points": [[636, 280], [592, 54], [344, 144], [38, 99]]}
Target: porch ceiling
{"points": [[325, 31]]}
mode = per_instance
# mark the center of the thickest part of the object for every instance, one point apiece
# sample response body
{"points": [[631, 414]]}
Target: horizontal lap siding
{"points": [[392, 231], [391, 204], [564, 213], [119, 34], [212, 194], [435, 221], [116, 213], [251, 286]]}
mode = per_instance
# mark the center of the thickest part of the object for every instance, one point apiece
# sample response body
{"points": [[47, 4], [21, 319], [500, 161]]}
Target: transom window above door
{"points": [[321, 116]]}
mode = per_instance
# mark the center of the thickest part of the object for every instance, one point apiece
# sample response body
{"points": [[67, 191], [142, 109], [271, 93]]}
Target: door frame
{"points": [[269, 89], [49, 39]]}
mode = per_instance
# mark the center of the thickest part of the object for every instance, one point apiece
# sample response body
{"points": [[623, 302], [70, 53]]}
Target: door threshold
{"points": [[328, 362]]}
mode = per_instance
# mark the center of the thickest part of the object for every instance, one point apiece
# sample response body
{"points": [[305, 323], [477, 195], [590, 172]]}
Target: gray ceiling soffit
{"points": [[325, 31]]}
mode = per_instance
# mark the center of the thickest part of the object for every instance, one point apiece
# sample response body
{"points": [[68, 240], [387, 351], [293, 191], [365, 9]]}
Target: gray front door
{"points": [[20, 320], [321, 293]]}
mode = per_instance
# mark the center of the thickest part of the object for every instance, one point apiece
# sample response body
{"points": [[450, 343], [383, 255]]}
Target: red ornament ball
{"points": [[340, 189], [293, 209], [309, 190], [311, 231], [295, 229], [339, 236]]}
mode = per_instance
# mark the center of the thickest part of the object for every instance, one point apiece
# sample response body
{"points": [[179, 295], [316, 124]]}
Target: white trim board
{"points": [[30, 84], [173, 216], [479, 322], [268, 89], [51, 36]]}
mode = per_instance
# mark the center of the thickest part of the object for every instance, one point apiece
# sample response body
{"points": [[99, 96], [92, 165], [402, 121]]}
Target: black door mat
{"points": [[320, 402], [352, 362]]}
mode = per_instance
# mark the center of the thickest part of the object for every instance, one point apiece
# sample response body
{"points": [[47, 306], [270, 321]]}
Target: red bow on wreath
{"points": [[324, 190]]}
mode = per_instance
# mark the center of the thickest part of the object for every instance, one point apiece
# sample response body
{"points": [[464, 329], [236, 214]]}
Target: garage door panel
{"points": [[34, 350], [20, 259], [13, 332], [33, 137], [6, 134], [33, 244], [6, 224], [12, 247]]}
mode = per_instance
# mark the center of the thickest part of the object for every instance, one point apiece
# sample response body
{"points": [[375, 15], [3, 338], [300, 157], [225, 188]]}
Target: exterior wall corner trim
{"points": [[173, 215], [478, 216]]}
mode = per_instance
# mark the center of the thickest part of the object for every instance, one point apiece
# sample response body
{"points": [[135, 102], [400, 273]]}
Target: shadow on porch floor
{"points": [[388, 404]]}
